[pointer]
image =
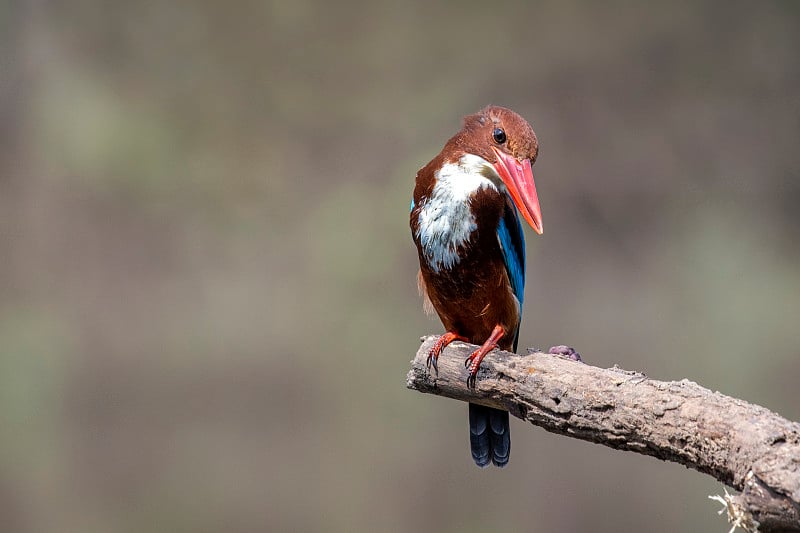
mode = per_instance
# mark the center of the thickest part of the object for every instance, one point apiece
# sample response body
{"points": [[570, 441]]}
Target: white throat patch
{"points": [[445, 218]]}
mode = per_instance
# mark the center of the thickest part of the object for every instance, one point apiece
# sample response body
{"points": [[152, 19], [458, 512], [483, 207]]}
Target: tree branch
{"points": [[742, 445]]}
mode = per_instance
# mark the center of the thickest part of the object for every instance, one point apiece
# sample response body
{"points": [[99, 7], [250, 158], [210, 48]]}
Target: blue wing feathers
{"points": [[512, 243]]}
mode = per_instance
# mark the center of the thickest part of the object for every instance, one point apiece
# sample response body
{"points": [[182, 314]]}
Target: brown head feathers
{"points": [[494, 126]]}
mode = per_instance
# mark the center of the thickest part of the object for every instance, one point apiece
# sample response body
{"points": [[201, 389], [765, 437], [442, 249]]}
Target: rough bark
{"points": [[745, 446]]}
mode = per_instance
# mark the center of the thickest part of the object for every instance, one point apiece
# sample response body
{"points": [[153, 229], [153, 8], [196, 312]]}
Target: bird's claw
{"points": [[473, 362], [439, 346], [565, 351], [432, 360], [473, 365]]}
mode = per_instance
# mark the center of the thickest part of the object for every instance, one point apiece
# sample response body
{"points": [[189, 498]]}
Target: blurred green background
{"points": [[207, 284]]}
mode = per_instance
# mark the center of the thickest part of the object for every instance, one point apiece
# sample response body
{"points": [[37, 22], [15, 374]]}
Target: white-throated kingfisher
{"points": [[465, 223]]}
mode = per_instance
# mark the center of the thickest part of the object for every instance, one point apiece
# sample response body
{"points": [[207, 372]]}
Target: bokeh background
{"points": [[207, 282]]}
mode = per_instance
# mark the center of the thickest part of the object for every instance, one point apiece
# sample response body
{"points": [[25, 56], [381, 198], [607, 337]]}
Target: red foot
{"points": [[473, 362], [439, 345]]}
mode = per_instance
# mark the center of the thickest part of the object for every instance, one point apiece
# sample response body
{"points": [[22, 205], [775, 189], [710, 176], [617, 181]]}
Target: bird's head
{"points": [[508, 145]]}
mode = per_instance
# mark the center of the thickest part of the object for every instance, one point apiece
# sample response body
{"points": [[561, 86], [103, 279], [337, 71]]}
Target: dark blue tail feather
{"points": [[489, 435]]}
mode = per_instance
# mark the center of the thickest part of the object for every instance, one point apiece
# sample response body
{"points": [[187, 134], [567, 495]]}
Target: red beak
{"points": [[518, 178]]}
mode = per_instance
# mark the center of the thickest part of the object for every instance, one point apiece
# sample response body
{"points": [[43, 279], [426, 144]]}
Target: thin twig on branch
{"points": [[745, 446]]}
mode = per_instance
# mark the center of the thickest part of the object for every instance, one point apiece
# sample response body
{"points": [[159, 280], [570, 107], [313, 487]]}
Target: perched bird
{"points": [[465, 223]]}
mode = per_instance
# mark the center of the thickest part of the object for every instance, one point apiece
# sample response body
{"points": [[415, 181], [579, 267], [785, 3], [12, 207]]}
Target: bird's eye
{"points": [[499, 135]]}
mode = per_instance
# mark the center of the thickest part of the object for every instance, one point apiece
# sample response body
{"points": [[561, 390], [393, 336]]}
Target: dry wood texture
{"points": [[742, 445]]}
